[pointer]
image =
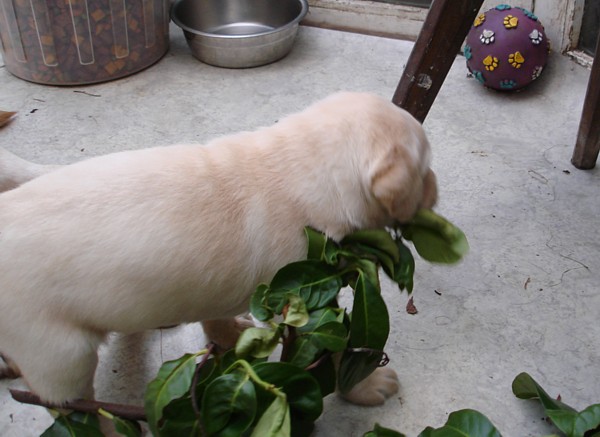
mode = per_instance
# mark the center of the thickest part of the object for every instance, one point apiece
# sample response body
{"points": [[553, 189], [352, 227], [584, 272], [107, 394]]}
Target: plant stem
{"points": [[207, 354], [271, 388], [131, 412], [288, 341], [318, 362]]}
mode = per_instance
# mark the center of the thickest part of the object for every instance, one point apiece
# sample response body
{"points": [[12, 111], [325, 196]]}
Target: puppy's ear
{"points": [[397, 183]]}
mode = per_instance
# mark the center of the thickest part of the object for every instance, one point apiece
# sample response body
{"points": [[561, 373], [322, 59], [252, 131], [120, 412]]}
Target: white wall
{"points": [[562, 21]]}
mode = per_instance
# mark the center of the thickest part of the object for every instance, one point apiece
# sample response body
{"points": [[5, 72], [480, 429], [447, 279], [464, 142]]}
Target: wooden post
{"points": [[437, 45], [587, 146]]}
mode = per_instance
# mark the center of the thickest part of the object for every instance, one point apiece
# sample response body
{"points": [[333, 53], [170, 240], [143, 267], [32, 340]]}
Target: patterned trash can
{"points": [[73, 42]]}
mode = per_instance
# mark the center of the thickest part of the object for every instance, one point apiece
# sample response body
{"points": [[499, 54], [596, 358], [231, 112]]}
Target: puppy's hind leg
{"points": [[15, 171], [225, 332], [59, 363]]}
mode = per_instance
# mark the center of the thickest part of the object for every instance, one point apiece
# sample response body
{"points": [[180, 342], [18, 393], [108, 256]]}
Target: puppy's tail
{"points": [[15, 171]]}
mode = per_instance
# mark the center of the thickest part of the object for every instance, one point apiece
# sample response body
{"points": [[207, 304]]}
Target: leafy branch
{"points": [[471, 423], [572, 423], [240, 393]]}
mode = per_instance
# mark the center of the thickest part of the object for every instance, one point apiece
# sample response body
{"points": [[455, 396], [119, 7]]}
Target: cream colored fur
{"points": [[15, 171], [154, 237]]}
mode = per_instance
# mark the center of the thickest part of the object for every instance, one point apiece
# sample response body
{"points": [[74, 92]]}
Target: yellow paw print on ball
{"points": [[511, 22], [516, 59], [490, 62], [479, 20]]}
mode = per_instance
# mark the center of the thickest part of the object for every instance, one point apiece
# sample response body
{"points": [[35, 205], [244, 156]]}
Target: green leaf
{"points": [[315, 282], [332, 252], [297, 314], [589, 418], [124, 427], [369, 270], [431, 246], [575, 424], [429, 219], [325, 374], [332, 336], [226, 360], [74, 425], [380, 431], [387, 263], [405, 269], [258, 304], [320, 317], [303, 352], [370, 325], [275, 421], [229, 405], [321, 248], [257, 342], [464, 423], [180, 419], [358, 252], [172, 382], [435, 238], [564, 417], [525, 387], [378, 239], [205, 375], [84, 418], [316, 244], [127, 428], [302, 390], [355, 366]]}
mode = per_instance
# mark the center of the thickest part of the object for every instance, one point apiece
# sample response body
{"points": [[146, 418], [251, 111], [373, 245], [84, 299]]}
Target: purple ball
{"points": [[506, 48]]}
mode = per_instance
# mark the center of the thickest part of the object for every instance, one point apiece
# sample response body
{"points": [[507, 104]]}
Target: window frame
{"points": [[561, 18]]}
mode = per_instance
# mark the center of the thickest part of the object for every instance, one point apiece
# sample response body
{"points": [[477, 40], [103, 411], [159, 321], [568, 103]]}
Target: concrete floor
{"points": [[525, 299]]}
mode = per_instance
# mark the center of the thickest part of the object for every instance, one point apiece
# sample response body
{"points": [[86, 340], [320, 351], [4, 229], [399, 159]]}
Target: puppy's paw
{"points": [[225, 332], [375, 389]]}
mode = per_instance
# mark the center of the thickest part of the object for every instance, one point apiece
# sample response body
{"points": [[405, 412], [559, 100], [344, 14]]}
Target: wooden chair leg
{"points": [[587, 146], [437, 45]]}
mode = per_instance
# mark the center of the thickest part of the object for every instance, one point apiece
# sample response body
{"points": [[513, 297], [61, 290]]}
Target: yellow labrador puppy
{"points": [[148, 238]]}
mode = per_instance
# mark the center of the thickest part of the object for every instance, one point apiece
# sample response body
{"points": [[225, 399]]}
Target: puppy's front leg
{"points": [[374, 389], [225, 332]]}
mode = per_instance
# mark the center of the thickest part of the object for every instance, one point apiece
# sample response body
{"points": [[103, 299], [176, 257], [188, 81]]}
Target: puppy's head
{"points": [[367, 143], [398, 159]]}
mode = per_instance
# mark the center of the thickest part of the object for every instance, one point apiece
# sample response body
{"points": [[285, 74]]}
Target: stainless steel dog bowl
{"points": [[239, 33]]}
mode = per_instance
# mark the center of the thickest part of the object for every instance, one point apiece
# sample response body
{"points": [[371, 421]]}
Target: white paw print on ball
{"points": [[487, 36], [536, 36]]}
